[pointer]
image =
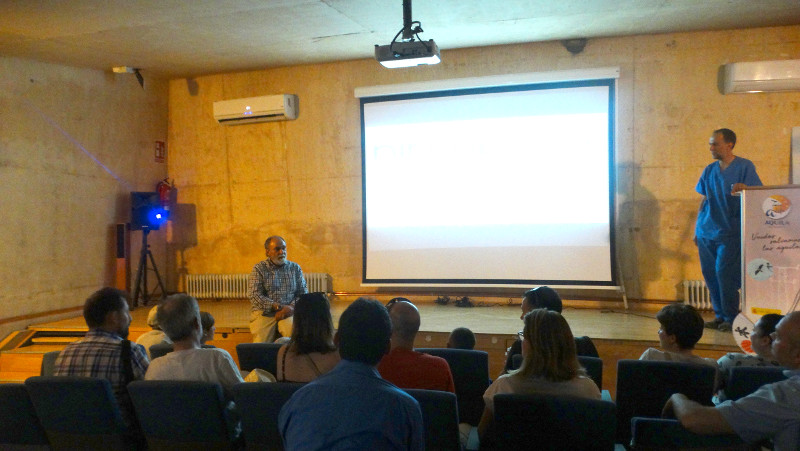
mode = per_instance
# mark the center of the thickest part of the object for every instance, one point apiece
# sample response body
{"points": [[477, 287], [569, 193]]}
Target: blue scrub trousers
{"points": [[721, 263]]}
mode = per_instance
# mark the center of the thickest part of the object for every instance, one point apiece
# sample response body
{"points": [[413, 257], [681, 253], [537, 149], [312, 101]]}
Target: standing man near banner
{"points": [[718, 230], [275, 284]]}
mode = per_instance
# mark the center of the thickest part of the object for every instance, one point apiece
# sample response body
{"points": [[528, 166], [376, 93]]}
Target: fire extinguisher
{"points": [[164, 188]]}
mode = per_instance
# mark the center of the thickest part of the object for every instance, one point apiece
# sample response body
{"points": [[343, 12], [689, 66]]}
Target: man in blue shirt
{"points": [[718, 231], [352, 407], [772, 411]]}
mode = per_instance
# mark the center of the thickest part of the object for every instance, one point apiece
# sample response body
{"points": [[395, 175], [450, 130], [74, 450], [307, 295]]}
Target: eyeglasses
{"points": [[394, 301], [521, 334]]}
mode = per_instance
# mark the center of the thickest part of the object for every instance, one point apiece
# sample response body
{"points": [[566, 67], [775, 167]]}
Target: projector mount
{"points": [[407, 48], [409, 31]]}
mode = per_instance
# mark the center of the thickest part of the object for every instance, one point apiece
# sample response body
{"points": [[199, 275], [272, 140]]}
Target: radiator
{"points": [[235, 286], [695, 293]]}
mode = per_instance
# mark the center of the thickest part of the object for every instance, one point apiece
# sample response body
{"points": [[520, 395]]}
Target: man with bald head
{"points": [[773, 411], [405, 367]]}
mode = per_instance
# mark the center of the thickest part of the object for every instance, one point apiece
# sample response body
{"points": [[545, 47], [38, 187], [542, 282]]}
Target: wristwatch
{"points": [[276, 306]]}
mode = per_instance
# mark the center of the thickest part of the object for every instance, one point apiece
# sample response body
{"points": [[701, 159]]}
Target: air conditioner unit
{"points": [[762, 76], [256, 109]]}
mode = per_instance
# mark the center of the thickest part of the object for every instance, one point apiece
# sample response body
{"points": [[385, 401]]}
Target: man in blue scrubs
{"points": [[718, 231]]}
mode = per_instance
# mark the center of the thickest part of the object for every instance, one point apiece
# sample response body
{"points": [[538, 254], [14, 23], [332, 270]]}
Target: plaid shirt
{"points": [[272, 283], [99, 354]]}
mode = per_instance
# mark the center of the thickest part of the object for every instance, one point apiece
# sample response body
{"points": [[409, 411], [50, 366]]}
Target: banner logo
{"points": [[776, 206]]}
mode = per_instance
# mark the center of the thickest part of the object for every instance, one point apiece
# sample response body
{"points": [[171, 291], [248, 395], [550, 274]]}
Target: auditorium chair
{"points": [[162, 349], [19, 427], [470, 369], [643, 387], [440, 418], [79, 413], [592, 365], [49, 363], [184, 415], [259, 404], [658, 434], [258, 355], [743, 380], [553, 422]]}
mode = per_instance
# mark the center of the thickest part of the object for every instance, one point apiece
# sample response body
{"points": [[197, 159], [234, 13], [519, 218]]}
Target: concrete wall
{"points": [[73, 144], [302, 179]]}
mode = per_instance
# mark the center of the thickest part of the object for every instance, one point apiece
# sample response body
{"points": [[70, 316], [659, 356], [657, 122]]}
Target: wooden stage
{"points": [[617, 333]]}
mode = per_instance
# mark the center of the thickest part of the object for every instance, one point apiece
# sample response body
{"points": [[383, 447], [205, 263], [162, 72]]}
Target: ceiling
{"points": [[183, 38]]}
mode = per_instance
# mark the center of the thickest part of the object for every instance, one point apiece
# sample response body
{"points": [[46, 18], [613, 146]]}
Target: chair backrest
{"points": [[657, 434], [743, 380], [162, 349], [259, 404], [552, 422], [49, 363], [183, 415], [19, 425], [78, 412], [440, 418], [258, 355], [594, 368], [470, 370], [585, 347], [643, 388]]}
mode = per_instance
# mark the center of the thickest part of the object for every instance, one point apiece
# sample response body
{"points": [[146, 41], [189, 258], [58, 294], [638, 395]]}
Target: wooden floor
{"points": [[607, 324], [617, 333]]}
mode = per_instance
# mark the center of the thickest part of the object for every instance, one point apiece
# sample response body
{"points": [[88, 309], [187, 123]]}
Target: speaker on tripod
{"points": [[147, 214]]}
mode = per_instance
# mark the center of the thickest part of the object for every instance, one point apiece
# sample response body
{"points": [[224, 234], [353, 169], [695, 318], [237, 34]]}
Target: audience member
{"points": [[207, 321], [105, 351], [681, 328], [154, 336], [179, 316], [546, 298], [772, 412], [405, 367], [761, 343], [275, 284], [311, 352], [461, 338], [549, 366], [352, 407]]}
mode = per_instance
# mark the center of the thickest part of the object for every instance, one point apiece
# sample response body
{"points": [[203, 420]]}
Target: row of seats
{"points": [[81, 413], [69, 413], [642, 386]]}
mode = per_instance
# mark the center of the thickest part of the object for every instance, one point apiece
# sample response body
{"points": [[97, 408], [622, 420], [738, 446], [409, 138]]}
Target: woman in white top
{"points": [[311, 351], [550, 365], [681, 328]]}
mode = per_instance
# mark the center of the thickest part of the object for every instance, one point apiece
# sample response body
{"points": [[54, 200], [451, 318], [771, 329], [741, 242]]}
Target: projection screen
{"points": [[507, 185]]}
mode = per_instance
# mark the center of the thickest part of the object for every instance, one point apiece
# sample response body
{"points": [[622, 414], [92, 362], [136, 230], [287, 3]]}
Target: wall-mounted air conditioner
{"points": [[761, 76], [256, 109]]}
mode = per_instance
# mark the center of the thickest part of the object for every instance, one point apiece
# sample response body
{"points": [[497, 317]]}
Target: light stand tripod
{"points": [[141, 273]]}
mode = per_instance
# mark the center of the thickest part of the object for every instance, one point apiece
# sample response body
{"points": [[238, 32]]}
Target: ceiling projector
{"points": [[407, 54]]}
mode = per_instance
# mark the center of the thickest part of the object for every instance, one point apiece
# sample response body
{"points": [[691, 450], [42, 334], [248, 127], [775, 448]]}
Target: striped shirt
{"points": [[99, 354], [272, 283]]}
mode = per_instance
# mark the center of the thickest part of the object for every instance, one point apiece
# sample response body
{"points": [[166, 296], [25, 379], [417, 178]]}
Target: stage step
{"points": [[15, 377], [54, 340], [25, 362]]}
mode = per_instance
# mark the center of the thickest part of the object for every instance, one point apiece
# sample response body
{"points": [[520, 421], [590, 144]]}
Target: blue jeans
{"points": [[721, 263]]}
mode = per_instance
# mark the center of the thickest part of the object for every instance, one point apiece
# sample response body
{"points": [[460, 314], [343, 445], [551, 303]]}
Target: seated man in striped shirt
{"points": [[105, 351], [275, 284]]}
